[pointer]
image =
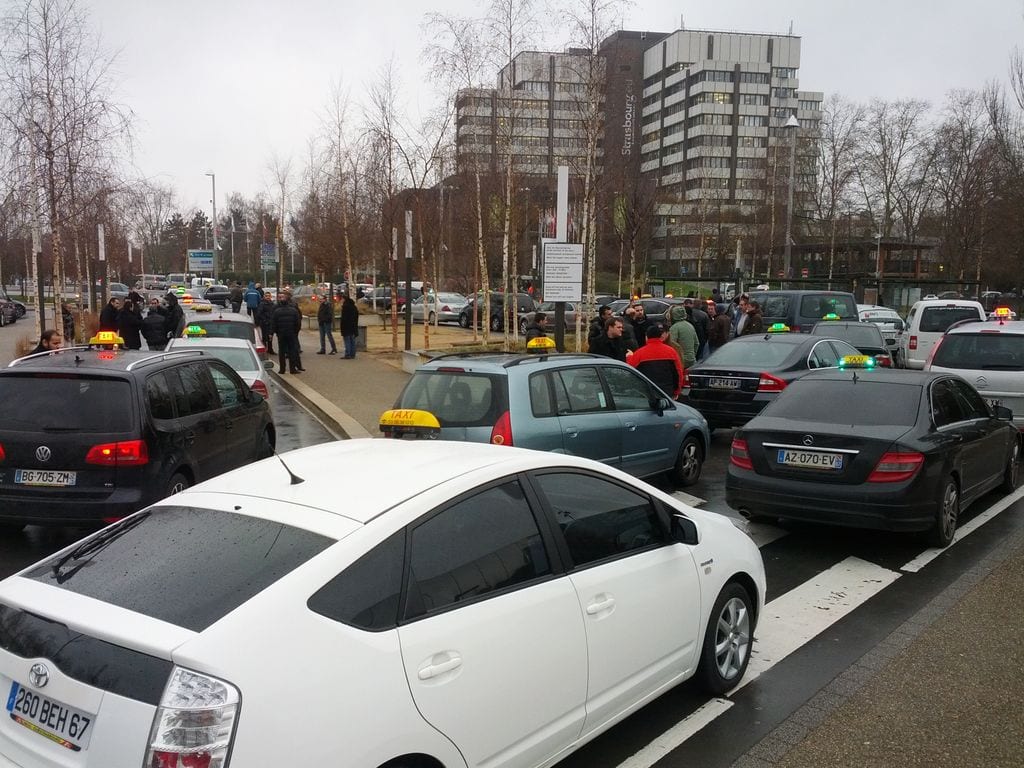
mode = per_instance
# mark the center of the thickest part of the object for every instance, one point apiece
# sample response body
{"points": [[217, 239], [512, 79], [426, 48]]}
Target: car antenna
{"points": [[295, 478]]}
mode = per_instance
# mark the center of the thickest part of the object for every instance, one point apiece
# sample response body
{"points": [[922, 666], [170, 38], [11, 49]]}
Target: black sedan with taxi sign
{"points": [[870, 448]]}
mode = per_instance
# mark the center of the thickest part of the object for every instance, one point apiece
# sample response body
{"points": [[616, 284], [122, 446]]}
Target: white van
{"points": [[928, 320]]}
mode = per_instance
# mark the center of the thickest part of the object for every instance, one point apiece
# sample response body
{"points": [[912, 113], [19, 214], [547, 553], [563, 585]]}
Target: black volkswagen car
{"points": [[92, 435], [739, 379], [870, 448]]}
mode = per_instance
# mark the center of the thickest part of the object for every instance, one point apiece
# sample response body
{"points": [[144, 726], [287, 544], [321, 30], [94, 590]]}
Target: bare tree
{"points": [[840, 136], [280, 170], [58, 107], [893, 161]]}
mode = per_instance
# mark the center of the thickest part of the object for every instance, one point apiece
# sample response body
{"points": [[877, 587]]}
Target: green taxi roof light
{"points": [[778, 328], [831, 316]]}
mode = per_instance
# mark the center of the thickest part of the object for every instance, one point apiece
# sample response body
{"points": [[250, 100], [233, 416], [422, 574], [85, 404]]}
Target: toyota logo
{"points": [[43, 453], [39, 675], [808, 440]]}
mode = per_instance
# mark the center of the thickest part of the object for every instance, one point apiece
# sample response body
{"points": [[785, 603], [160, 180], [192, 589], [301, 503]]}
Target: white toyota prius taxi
{"points": [[483, 605]]}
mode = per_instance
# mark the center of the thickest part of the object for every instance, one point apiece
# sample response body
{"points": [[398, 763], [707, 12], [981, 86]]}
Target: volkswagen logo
{"points": [[39, 675], [808, 440], [43, 453]]}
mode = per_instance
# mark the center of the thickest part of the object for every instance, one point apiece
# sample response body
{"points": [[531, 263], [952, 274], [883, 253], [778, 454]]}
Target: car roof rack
{"points": [[158, 357], [527, 357], [47, 353], [473, 353]]}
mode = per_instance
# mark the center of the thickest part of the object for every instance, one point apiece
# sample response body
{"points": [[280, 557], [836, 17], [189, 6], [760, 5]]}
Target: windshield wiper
{"points": [[94, 545]]}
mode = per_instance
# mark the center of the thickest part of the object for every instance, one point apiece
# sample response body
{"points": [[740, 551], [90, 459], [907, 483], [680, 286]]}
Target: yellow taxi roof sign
{"points": [[857, 361], [193, 331], [107, 338], [540, 344], [1003, 313], [831, 316], [778, 328], [409, 423]]}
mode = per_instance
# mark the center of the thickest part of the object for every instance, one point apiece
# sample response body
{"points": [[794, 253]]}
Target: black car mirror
{"points": [[898, 325], [268, 365], [684, 530], [1003, 413]]}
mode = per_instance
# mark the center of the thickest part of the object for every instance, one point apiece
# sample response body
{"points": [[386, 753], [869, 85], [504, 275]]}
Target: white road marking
{"points": [[967, 529], [683, 496], [677, 734], [788, 622], [806, 611]]}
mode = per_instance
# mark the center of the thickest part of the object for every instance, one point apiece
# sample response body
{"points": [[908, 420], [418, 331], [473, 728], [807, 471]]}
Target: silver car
{"points": [[582, 405], [442, 307], [990, 357]]}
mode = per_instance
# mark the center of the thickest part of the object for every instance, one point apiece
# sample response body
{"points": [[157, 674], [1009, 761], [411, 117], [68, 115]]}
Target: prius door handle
{"points": [[600, 606], [631, 426], [435, 667], [571, 432]]}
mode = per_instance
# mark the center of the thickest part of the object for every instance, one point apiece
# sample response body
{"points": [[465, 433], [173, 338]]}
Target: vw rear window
{"points": [[826, 304], [981, 351], [847, 402], [60, 402], [183, 565], [938, 319], [457, 398]]}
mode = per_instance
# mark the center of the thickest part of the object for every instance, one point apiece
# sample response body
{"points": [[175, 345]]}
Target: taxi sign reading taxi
{"points": [[857, 361], [193, 331], [563, 271], [778, 328], [410, 424], [106, 338], [200, 260]]}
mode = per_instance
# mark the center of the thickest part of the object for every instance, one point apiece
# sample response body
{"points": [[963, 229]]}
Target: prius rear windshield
{"points": [[183, 565]]}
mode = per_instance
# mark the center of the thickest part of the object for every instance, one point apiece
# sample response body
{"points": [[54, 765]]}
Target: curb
{"points": [[336, 418]]}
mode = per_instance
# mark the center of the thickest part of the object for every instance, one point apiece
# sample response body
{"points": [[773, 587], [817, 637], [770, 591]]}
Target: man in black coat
{"points": [[701, 323], [349, 326], [129, 325], [286, 322], [108, 315], [610, 343], [154, 326]]}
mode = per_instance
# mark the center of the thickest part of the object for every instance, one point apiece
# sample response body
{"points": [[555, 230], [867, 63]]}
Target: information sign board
{"points": [[563, 272], [200, 260]]}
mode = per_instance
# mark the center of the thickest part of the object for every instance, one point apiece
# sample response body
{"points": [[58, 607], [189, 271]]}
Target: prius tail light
{"points": [[195, 723], [259, 387]]}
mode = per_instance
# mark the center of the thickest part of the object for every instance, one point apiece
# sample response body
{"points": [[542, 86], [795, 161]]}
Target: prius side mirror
{"points": [[684, 530], [661, 405]]}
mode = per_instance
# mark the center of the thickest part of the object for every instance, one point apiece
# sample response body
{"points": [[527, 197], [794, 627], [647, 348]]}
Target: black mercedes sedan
{"points": [[739, 379], [870, 448]]}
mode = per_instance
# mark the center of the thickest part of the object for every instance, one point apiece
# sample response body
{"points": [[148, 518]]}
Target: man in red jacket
{"points": [[658, 361]]}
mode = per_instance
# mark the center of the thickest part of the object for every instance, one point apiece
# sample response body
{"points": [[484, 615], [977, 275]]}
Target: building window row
{"points": [[706, 182], [707, 162], [709, 119], [781, 112], [784, 93], [812, 106], [536, 86], [710, 97], [754, 99], [783, 72]]}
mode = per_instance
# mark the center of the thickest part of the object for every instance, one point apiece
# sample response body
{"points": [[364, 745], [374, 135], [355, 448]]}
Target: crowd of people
{"points": [[164, 320], [662, 350]]}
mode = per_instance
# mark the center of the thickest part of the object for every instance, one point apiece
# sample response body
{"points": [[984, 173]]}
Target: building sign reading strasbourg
{"points": [[628, 119]]}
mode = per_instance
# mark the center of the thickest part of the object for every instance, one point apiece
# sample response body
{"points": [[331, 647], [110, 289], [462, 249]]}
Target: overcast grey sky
{"points": [[221, 85]]}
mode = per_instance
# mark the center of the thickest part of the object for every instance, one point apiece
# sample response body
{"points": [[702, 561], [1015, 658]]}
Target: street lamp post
{"points": [[216, 247], [878, 265], [787, 252]]}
